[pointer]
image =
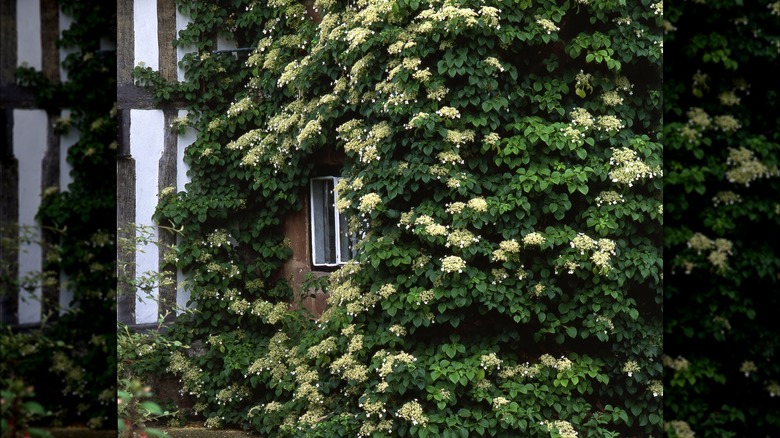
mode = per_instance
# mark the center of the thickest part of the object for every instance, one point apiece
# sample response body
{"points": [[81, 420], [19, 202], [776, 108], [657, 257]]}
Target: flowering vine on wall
{"points": [[70, 360], [503, 173], [721, 164]]}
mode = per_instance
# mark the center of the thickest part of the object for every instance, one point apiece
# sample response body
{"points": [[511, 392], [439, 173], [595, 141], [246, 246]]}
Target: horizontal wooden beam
{"points": [[16, 97]]}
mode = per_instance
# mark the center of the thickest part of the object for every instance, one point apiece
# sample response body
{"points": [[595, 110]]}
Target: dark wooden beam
{"points": [[125, 42], [50, 33]]}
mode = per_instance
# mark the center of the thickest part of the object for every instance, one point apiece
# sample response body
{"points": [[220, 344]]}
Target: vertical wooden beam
{"points": [[9, 168], [125, 217], [125, 42], [9, 216], [50, 32], [166, 33], [50, 177], [167, 178], [50, 167], [7, 41]]}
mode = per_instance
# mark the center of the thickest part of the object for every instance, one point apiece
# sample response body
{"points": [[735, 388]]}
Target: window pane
{"points": [[346, 241], [323, 226]]}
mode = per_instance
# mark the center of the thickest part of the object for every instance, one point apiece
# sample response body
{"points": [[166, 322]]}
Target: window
{"points": [[331, 245]]}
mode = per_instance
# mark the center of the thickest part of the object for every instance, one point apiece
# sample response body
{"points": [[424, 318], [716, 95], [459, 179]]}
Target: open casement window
{"points": [[331, 244]]}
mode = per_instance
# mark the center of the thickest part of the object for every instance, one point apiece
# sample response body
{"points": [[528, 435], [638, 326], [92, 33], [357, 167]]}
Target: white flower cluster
{"points": [[499, 401], [726, 198], [774, 8], [398, 330], [629, 168], [561, 364], [488, 362], [699, 117], [729, 98], [448, 112], [623, 84], [609, 198], [658, 8], [547, 25], [748, 367], [583, 243], [608, 124], [478, 204], [363, 142], [611, 98], [412, 411], [581, 121], [564, 428], [507, 250], [681, 429], [453, 264], [721, 249], [727, 123], [773, 388], [656, 387], [581, 117], [631, 367], [389, 361], [523, 370], [492, 139], [678, 364], [746, 168], [534, 238], [607, 322], [461, 239], [369, 202], [491, 16], [459, 137], [450, 157]]}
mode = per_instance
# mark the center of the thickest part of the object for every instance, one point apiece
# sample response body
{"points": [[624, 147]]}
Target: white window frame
{"points": [[336, 221]]}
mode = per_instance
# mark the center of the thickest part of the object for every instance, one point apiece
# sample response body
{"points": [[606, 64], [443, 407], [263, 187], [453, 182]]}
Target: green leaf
{"points": [[152, 407], [572, 331], [34, 407]]}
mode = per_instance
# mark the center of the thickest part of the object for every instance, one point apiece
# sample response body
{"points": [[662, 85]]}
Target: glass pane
{"points": [[346, 241], [323, 226]]}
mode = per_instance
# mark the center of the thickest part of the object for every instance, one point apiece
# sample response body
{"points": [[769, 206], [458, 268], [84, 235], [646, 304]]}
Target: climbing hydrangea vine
{"points": [[722, 155], [502, 172]]}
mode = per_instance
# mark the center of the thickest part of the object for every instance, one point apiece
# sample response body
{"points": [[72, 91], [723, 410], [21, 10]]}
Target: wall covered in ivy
{"points": [[721, 192], [503, 172]]}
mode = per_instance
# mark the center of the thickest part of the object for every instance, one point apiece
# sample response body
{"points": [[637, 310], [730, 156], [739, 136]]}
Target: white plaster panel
{"points": [[29, 48], [145, 29], [146, 147], [29, 147], [181, 23]]}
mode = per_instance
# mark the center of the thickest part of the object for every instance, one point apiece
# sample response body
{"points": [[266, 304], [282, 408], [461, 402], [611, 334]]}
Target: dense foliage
{"points": [[721, 192], [503, 165], [71, 360]]}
